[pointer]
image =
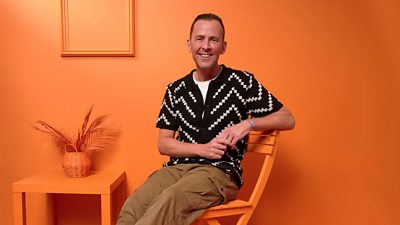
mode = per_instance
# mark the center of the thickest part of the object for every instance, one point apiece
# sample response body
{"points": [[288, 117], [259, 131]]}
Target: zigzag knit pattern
{"points": [[232, 97]]}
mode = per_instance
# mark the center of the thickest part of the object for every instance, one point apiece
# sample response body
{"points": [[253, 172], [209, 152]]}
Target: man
{"points": [[204, 119]]}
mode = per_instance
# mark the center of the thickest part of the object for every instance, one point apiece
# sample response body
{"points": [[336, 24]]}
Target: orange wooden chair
{"points": [[264, 143]]}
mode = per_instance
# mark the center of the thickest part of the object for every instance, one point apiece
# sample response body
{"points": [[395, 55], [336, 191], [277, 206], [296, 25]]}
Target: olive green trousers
{"points": [[177, 195]]}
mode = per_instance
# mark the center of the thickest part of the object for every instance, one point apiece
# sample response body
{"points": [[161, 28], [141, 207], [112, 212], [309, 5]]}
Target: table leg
{"points": [[19, 208], [106, 209]]}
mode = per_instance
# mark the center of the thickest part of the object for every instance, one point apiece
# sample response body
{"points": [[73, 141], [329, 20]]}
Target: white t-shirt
{"points": [[203, 85]]}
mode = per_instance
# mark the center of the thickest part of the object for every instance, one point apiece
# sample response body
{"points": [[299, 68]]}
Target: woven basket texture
{"points": [[76, 164]]}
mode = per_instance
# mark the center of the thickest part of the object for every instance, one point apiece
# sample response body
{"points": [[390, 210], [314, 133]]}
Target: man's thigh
{"points": [[205, 186], [157, 182]]}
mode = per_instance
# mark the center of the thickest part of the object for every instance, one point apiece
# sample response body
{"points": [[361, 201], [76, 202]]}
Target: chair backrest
{"points": [[264, 143]]}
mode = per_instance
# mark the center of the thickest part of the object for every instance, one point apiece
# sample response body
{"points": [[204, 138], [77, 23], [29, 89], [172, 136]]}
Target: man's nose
{"points": [[206, 45]]}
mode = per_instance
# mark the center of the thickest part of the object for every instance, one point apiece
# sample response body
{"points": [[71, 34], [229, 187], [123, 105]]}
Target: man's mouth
{"points": [[205, 56]]}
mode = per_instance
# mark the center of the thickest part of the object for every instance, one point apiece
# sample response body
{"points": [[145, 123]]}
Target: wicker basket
{"points": [[76, 164]]}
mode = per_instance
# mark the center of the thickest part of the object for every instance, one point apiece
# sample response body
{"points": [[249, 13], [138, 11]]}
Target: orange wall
{"points": [[333, 63]]}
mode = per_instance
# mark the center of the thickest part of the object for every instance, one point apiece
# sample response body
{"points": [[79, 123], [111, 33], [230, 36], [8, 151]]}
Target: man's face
{"points": [[206, 44]]}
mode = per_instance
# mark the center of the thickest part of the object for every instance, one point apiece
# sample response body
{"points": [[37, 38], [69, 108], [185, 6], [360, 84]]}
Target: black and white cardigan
{"points": [[232, 97]]}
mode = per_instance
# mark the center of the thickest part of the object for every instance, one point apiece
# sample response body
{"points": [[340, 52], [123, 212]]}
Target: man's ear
{"points": [[188, 45], [224, 45]]}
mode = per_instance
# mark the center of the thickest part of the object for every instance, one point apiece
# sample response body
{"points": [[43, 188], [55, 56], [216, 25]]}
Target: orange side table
{"points": [[102, 183]]}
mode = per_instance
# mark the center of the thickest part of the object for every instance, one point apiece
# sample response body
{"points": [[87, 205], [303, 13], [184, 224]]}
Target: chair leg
{"points": [[212, 222], [244, 219]]}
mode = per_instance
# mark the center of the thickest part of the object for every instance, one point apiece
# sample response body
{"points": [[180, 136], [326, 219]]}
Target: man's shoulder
{"points": [[180, 83], [239, 74]]}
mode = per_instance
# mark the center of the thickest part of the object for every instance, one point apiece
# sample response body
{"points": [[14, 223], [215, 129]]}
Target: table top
{"points": [[54, 181]]}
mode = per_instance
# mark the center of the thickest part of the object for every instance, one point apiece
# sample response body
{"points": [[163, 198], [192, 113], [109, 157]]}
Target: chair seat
{"points": [[235, 207], [232, 204]]}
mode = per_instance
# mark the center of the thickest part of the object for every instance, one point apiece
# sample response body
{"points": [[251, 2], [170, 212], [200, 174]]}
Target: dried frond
{"points": [[100, 140], [96, 124], [86, 120], [59, 137], [81, 132], [95, 137], [95, 127]]}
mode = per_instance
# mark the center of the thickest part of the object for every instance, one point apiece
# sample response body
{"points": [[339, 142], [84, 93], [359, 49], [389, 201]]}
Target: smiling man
{"points": [[203, 122], [206, 44]]}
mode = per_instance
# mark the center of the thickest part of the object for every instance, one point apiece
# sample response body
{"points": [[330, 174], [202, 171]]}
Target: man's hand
{"points": [[214, 149], [231, 135]]}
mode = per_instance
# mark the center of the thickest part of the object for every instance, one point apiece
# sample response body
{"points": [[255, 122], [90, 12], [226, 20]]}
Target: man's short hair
{"points": [[208, 16]]}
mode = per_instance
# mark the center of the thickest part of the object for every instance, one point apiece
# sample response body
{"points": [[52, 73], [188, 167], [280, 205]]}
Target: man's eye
{"points": [[214, 40]]}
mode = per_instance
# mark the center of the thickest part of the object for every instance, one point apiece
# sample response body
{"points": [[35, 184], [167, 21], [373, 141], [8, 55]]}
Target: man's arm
{"points": [[168, 145], [279, 120]]}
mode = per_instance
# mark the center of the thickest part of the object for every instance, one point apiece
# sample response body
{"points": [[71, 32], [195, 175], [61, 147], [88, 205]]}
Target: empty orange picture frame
{"points": [[97, 27]]}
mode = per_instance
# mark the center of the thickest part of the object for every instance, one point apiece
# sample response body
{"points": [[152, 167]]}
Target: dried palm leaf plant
{"points": [[93, 137]]}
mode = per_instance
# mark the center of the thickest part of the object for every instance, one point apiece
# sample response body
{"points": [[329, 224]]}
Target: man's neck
{"points": [[202, 75]]}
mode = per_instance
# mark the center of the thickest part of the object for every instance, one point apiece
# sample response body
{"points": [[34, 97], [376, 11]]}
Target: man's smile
{"points": [[205, 56]]}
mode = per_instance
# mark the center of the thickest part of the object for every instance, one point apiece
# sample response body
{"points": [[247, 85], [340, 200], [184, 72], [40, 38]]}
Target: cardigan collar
{"points": [[222, 78]]}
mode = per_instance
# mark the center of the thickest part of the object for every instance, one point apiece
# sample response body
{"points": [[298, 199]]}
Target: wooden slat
{"points": [[258, 142], [226, 212], [232, 204], [261, 143], [264, 149], [261, 139]]}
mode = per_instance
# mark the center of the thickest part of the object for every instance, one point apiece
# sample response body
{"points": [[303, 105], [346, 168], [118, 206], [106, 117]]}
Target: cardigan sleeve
{"points": [[167, 116], [260, 102]]}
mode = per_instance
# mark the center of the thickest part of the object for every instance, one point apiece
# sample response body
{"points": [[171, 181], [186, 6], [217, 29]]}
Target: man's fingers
{"points": [[220, 147], [222, 141], [234, 141], [230, 139], [219, 152], [216, 153]]}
